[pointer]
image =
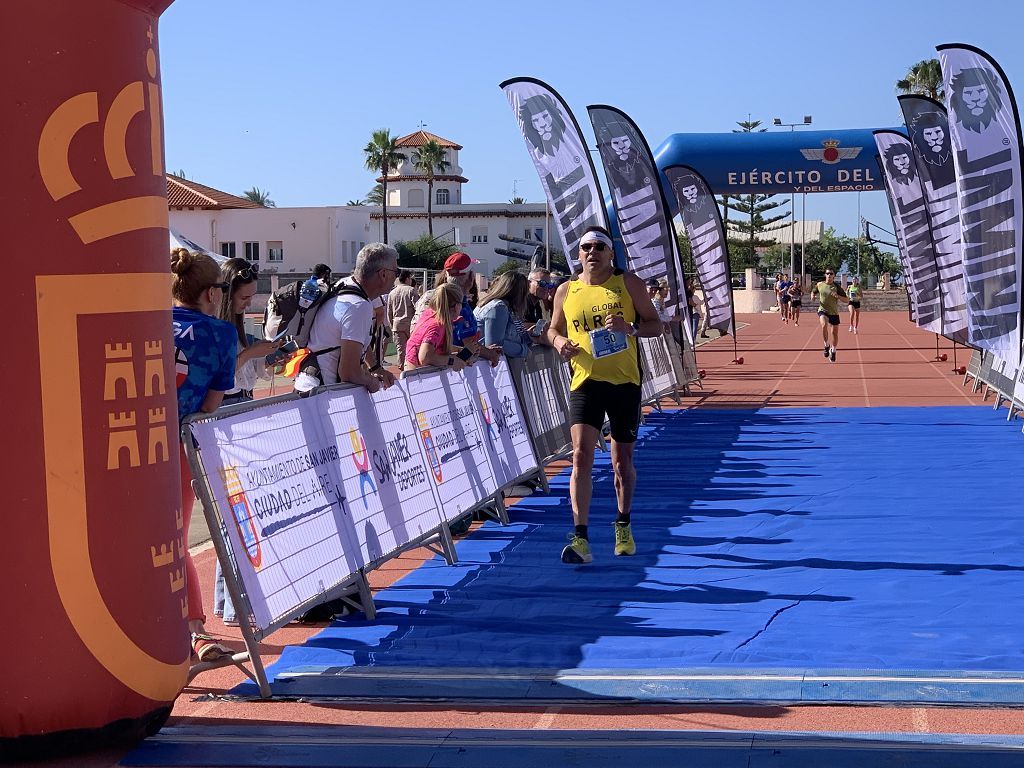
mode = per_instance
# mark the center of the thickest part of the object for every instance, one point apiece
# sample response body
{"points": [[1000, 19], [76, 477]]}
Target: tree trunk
{"points": [[384, 203], [430, 206]]}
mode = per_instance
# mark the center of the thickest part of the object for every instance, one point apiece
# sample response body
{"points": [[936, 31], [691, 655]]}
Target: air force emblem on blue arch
{"points": [[831, 153]]}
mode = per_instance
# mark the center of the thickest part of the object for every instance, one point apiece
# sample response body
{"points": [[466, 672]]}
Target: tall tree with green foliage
{"points": [[424, 252], [833, 251], [429, 160], [259, 196], [375, 196], [382, 156], [923, 79], [745, 235]]}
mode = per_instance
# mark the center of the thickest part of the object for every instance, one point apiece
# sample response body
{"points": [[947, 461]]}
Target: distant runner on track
{"points": [[829, 295]]}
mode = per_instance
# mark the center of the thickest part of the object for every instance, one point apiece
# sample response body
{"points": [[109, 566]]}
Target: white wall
{"points": [[332, 235]]}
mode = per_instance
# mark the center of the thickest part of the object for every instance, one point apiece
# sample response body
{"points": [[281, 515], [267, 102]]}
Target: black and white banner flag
{"points": [[560, 155], [640, 207], [986, 143], [929, 134], [703, 223], [912, 224], [901, 248]]}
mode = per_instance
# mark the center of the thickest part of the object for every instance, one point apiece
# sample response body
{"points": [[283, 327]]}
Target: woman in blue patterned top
{"points": [[205, 354]]}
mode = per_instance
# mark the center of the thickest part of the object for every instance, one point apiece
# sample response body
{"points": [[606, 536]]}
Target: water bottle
{"points": [[309, 293]]}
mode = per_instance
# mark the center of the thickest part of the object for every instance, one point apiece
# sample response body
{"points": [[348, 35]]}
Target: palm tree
{"points": [[428, 159], [924, 78], [517, 200], [355, 202], [259, 196], [375, 196], [382, 156]]}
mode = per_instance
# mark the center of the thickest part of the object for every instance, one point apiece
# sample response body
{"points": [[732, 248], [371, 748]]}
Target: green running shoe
{"points": [[577, 551], [624, 544]]}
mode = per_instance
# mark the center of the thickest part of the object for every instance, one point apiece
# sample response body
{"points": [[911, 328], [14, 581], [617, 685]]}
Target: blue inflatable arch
{"points": [[776, 163]]}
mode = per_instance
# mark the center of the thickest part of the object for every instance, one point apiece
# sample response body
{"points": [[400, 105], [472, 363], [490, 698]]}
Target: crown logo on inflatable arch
{"points": [[120, 215]]}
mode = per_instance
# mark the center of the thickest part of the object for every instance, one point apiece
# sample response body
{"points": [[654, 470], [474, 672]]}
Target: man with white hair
{"points": [[340, 330], [596, 321]]}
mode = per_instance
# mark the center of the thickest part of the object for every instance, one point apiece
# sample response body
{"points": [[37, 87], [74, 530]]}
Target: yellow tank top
{"points": [[585, 308]]}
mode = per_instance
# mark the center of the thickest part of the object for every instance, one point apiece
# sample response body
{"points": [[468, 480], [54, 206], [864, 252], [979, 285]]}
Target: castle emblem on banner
{"points": [[429, 446], [361, 460], [242, 516], [831, 153]]}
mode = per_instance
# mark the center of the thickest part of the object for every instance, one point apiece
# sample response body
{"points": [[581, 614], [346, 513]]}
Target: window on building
{"points": [[252, 251], [394, 197], [415, 198], [478, 235], [442, 197], [227, 250], [275, 250], [534, 233]]}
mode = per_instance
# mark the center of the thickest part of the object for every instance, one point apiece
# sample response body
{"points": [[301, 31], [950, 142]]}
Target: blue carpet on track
{"points": [[778, 539]]}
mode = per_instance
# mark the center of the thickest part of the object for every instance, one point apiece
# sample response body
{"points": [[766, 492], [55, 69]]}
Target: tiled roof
{"points": [[182, 193], [420, 138]]}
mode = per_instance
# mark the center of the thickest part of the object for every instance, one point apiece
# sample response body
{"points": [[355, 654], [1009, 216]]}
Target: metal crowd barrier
{"points": [[539, 385]]}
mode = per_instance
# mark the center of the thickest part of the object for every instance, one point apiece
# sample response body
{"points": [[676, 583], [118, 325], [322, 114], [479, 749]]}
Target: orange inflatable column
{"points": [[93, 585]]}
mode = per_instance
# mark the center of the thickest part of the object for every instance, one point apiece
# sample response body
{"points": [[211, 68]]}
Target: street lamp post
{"points": [[792, 202]]}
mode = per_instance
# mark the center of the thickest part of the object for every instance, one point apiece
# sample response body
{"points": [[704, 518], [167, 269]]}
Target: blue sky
{"points": [[285, 95]]}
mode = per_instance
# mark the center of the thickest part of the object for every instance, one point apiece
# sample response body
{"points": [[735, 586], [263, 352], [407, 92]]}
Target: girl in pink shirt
{"points": [[431, 340]]}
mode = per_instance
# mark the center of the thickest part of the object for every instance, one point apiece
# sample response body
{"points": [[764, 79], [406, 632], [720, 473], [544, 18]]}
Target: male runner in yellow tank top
{"points": [[595, 324]]}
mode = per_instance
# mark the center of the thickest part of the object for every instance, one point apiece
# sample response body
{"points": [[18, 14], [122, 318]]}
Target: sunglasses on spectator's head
{"points": [[253, 270], [588, 247]]}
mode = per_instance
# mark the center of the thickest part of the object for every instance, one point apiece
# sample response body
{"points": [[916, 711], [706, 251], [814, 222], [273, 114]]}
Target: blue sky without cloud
{"points": [[284, 95]]}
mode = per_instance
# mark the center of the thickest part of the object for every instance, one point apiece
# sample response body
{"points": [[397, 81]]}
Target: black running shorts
{"points": [[855, 304], [832, 319], [795, 303], [589, 403]]}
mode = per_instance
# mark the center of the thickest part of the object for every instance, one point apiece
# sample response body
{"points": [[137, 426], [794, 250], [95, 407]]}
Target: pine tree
{"points": [[745, 235]]}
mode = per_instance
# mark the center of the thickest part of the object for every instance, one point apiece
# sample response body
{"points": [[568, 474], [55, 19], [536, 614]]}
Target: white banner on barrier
{"points": [[659, 376], [390, 498], [275, 473], [507, 439], [449, 428]]}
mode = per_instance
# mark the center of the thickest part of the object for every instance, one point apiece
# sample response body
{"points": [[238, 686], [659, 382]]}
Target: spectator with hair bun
{"points": [[205, 356]]}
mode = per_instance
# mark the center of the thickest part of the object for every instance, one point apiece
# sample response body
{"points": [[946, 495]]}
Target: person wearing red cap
{"points": [[458, 270]]}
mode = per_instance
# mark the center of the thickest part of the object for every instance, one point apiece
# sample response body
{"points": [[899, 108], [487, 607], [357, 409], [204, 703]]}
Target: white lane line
{"points": [[920, 720], [959, 389], [547, 719], [863, 375]]}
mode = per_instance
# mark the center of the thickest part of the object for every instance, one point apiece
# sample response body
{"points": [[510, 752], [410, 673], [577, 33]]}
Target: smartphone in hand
{"points": [[283, 353]]}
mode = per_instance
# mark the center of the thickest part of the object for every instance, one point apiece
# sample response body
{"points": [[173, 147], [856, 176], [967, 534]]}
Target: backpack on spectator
{"points": [[283, 311], [305, 359]]}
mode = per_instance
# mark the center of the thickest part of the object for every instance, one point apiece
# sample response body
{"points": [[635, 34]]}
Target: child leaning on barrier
{"points": [[430, 342], [205, 355]]}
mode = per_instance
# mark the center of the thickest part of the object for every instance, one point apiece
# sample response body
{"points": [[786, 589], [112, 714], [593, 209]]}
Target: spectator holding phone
{"points": [[431, 341], [240, 277], [500, 313]]}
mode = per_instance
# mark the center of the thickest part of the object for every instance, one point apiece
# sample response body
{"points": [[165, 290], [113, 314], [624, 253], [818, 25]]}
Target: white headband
{"points": [[593, 236]]}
